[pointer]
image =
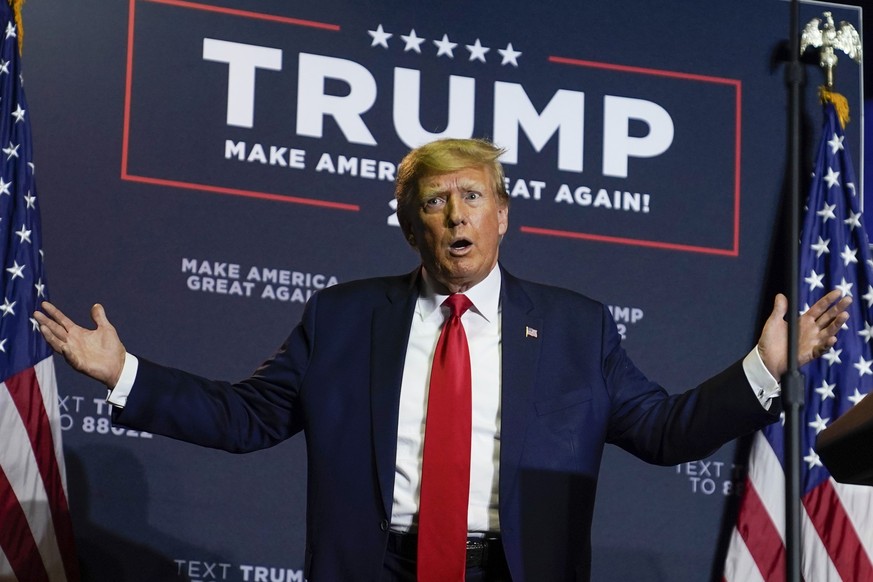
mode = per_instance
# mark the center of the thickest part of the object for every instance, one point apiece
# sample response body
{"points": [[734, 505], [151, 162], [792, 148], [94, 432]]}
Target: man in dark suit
{"points": [[550, 386]]}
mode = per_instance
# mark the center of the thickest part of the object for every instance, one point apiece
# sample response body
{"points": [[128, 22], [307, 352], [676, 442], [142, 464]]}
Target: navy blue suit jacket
{"points": [[565, 392]]}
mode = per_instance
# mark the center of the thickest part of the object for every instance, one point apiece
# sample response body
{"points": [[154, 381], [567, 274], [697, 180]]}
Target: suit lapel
{"points": [[521, 330], [389, 336]]}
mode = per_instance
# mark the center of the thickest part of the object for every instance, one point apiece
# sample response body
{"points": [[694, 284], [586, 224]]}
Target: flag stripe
{"points": [[15, 537], [743, 568], [768, 478], [856, 500], [840, 539], [28, 399], [26, 491], [816, 565], [761, 538]]}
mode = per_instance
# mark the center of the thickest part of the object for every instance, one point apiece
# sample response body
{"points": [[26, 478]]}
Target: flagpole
{"points": [[793, 381]]}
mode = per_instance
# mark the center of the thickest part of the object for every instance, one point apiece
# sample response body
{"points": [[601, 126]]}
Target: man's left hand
{"points": [[816, 334]]}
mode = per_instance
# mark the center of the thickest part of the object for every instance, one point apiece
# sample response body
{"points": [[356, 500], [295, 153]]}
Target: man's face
{"points": [[456, 224]]}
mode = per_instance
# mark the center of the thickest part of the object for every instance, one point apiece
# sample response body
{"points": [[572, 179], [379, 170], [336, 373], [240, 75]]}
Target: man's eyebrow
{"points": [[472, 185], [468, 184], [437, 189], [431, 189]]}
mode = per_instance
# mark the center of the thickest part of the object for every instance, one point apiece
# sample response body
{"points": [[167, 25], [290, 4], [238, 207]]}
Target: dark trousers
{"points": [[400, 563]]}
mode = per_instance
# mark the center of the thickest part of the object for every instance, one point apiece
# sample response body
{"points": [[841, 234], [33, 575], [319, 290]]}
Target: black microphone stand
{"points": [[793, 380]]}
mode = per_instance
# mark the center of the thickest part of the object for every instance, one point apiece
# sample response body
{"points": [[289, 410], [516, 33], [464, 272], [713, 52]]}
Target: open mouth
{"points": [[460, 244]]}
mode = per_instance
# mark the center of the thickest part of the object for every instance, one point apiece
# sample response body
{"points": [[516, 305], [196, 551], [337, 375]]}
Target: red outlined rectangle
{"points": [[127, 176], [734, 250]]}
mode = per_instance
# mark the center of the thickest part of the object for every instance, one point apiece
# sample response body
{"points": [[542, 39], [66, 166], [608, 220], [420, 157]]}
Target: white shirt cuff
{"points": [[118, 395], [764, 385]]}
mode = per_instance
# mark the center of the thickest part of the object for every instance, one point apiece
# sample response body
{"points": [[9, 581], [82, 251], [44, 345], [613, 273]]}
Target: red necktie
{"points": [[445, 472]]}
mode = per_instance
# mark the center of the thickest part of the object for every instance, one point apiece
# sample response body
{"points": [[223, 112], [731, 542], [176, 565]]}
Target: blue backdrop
{"points": [[204, 167]]}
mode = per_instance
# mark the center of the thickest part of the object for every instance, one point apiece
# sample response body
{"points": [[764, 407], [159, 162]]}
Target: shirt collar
{"points": [[485, 297]]}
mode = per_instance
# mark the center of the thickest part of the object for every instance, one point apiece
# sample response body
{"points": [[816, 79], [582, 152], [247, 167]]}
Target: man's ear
{"points": [[407, 231], [503, 219]]}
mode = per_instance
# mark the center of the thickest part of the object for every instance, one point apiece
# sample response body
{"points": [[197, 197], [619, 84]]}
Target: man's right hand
{"points": [[98, 353]]}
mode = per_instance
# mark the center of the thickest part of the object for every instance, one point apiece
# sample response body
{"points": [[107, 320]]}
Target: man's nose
{"points": [[456, 211]]}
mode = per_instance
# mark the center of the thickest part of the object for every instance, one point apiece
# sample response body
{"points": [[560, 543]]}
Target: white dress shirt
{"points": [[482, 327]]}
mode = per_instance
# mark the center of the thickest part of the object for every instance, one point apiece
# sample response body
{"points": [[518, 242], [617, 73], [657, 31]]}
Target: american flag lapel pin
{"points": [[530, 332]]}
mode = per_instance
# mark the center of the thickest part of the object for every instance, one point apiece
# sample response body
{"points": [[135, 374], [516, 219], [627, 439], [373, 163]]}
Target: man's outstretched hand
{"points": [[816, 334], [98, 353]]}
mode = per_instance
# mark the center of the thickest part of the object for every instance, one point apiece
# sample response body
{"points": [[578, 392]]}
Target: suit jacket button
{"points": [[383, 525]]}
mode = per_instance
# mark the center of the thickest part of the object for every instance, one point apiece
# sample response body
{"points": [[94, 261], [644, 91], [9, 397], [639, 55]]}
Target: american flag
{"points": [[36, 536], [837, 519]]}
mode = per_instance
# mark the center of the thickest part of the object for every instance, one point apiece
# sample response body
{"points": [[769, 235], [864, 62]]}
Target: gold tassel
{"points": [[19, 23], [841, 104]]}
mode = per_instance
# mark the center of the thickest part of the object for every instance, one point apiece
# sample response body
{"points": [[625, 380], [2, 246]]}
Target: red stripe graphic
{"points": [[25, 392], [632, 241], [837, 533], [249, 14], [644, 71]]}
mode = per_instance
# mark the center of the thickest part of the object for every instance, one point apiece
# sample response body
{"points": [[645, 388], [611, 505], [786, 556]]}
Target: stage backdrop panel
{"points": [[204, 167]]}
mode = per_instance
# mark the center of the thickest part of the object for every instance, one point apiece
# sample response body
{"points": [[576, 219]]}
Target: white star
{"points": [[826, 390], [812, 459], [856, 397], [510, 55], [32, 167], [40, 288], [6, 308], [445, 47], [821, 247], [4, 187], [477, 51], [827, 212], [35, 324], [16, 270], [10, 30], [849, 255], [831, 177], [4, 67], [782, 418], [380, 37], [413, 42], [3, 346], [30, 199], [836, 143], [851, 186], [24, 234], [845, 287], [853, 220], [11, 151], [814, 278], [863, 366], [819, 424], [832, 356], [18, 114], [868, 296], [804, 309], [867, 332]]}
